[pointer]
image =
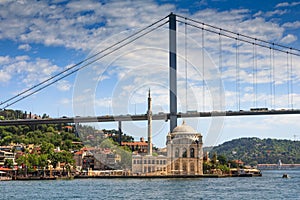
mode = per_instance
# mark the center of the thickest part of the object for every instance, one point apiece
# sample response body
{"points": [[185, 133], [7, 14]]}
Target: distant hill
{"points": [[254, 151]]}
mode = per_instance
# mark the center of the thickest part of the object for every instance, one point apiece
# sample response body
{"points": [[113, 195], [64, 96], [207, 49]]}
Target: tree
{"points": [[214, 158], [67, 145], [43, 162], [47, 148], [54, 158], [50, 129], [222, 159], [6, 140], [9, 163], [33, 161]]}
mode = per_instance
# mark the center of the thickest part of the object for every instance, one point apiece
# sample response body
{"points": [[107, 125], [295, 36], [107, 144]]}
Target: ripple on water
{"points": [[269, 186]]}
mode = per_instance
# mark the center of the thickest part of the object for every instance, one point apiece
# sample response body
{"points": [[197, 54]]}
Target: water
{"points": [[270, 186]]}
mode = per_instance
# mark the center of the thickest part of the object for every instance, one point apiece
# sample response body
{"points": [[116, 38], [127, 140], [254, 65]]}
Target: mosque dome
{"points": [[183, 129]]}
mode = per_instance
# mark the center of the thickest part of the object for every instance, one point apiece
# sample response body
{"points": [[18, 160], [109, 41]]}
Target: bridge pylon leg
{"points": [[172, 71]]}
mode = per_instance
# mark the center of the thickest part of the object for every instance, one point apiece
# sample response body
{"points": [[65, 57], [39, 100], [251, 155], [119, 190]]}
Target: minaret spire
{"points": [[149, 117]]}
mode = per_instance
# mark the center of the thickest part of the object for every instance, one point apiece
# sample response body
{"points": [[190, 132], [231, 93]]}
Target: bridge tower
{"points": [[172, 71]]}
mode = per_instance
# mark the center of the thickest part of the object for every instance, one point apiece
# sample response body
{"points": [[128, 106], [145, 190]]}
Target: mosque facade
{"points": [[184, 154], [184, 151]]}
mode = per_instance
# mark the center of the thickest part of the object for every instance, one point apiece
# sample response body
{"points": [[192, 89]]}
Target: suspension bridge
{"points": [[274, 59]]}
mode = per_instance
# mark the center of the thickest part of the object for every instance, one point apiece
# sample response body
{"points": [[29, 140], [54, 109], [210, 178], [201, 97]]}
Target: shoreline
{"points": [[153, 176], [129, 177]]}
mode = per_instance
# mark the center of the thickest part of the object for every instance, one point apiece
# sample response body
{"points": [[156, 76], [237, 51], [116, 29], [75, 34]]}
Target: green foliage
{"points": [[38, 135], [222, 159], [253, 151], [47, 148], [123, 151], [9, 163], [48, 137]]}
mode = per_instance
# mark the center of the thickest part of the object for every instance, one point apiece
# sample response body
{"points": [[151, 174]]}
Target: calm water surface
{"points": [[269, 186]]}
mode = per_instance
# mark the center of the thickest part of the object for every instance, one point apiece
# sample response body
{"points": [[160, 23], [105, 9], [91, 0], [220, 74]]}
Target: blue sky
{"points": [[39, 39]]}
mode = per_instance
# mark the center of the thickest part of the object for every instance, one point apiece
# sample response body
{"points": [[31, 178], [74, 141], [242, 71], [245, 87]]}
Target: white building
{"points": [[184, 155], [184, 150]]}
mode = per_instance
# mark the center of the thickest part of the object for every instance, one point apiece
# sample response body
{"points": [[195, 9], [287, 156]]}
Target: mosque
{"points": [[184, 152]]}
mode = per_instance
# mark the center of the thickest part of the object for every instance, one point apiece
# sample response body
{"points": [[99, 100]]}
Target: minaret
{"points": [[149, 117]]}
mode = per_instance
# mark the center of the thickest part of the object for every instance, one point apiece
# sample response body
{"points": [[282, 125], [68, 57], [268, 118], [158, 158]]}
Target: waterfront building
{"points": [[4, 155], [96, 159], [184, 150], [139, 146], [184, 153], [148, 164]]}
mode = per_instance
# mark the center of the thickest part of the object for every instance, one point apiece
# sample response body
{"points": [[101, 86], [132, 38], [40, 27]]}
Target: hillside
{"points": [[257, 151]]}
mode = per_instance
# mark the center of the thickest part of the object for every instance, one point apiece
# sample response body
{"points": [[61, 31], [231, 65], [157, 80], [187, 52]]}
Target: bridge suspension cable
{"points": [[185, 63], [287, 78], [203, 71], [237, 76], [273, 78], [255, 42], [118, 45], [289, 68], [254, 76], [220, 65], [292, 92], [242, 37]]}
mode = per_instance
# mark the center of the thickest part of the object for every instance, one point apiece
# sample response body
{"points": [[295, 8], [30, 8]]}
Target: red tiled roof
{"points": [[78, 153], [135, 143], [238, 161], [87, 148]]}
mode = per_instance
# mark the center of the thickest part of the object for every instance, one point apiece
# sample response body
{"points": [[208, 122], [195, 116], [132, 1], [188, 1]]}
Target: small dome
{"points": [[183, 129]]}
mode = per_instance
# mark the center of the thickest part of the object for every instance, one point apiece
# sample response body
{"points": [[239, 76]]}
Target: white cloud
{"points": [[25, 47], [65, 101], [63, 85], [287, 4], [137, 69], [283, 4], [289, 39], [4, 60], [78, 25], [87, 25], [275, 12], [258, 14], [292, 25], [4, 76], [25, 70]]}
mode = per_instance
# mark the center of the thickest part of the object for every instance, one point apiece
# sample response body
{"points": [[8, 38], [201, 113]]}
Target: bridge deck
{"points": [[162, 116]]}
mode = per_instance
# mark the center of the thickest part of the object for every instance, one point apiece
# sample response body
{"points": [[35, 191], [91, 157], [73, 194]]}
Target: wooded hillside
{"points": [[260, 151]]}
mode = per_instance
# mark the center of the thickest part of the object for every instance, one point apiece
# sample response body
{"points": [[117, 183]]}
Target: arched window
{"points": [[184, 153], [192, 167], [176, 166], [192, 153], [184, 167], [176, 153]]}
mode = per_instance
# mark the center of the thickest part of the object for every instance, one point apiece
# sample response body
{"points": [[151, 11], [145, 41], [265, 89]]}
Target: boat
{"points": [[5, 177], [285, 176], [235, 172]]}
